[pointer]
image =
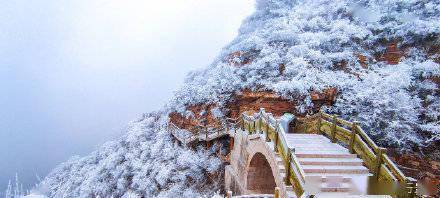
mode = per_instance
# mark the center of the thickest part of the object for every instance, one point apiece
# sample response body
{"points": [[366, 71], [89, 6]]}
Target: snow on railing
{"points": [[200, 132], [358, 142], [267, 124], [348, 133]]}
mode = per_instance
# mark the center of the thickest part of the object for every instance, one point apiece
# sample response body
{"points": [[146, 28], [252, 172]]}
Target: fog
{"points": [[73, 73]]}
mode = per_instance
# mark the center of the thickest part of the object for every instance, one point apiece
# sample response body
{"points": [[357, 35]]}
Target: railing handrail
{"points": [[280, 142], [220, 131], [383, 165], [283, 140], [341, 130]]}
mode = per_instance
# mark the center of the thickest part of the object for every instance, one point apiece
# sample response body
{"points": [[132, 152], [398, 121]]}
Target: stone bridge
{"points": [[328, 156], [331, 157], [255, 168]]}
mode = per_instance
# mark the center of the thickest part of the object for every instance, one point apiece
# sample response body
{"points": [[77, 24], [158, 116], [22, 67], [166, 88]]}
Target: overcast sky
{"points": [[73, 73]]}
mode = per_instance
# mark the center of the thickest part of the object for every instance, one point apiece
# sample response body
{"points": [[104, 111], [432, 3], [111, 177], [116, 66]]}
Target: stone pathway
{"points": [[328, 167]]}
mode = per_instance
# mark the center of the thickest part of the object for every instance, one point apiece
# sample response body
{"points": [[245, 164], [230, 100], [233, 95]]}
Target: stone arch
{"points": [[260, 178]]}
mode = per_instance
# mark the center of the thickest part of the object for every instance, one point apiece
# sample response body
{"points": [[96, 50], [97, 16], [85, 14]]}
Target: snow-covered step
{"points": [[310, 144], [331, 161], [323, 146], [339, 187], [314, 137], [307, 139], [324, 154], [343, 175], [320, 149], [304, 135], [335, 169], [332, 176]]}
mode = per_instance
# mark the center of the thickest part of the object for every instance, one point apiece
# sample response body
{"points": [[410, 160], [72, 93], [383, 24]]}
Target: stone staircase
{"points": [[330, 166]]}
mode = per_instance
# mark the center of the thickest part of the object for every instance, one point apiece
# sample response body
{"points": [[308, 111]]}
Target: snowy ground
{"points": [[145, 162]]}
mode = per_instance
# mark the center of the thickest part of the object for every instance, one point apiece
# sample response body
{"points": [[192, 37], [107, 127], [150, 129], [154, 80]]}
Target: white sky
{"points": [[73, 73]]}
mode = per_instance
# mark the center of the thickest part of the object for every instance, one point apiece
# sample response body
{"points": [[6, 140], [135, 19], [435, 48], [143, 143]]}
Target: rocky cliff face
{"points": [[250, 102]]}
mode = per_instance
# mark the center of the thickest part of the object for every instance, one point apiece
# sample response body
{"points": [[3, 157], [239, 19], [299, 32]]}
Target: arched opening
{"points": [[260, 179]]}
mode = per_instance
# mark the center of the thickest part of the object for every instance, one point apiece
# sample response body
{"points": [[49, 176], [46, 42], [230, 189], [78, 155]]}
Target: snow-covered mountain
{"points": [[320, 43], [382, 57]]}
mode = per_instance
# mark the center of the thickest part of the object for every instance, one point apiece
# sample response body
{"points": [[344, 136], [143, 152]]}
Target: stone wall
{"points": [[243, 162]]}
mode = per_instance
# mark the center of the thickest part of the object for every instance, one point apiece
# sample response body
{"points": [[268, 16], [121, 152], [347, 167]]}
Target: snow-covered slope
{"points": [[398, 104], [143, 163]]}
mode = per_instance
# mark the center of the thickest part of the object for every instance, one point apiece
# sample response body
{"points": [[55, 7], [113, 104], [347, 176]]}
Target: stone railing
{"points": [[338, 130], [265, 123]]}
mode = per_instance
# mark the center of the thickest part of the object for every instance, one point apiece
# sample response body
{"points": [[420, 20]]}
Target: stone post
{"points": [[277, 192], [275, 145], [319, 122], [353, 136], [412, 187], [289, 160], [380, 152], [249, 128], [267, 132], [333, 130]]}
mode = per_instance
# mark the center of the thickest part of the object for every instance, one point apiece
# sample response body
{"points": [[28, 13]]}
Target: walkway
{"points": [[336, 159], [331, 167]]}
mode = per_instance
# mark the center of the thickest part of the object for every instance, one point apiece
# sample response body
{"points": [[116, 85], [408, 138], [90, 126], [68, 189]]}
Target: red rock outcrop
{"points": [[326, 97], [253, 101], [201, 115], [392, 54], [362, 60], [434, 52], [249, 101]]}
